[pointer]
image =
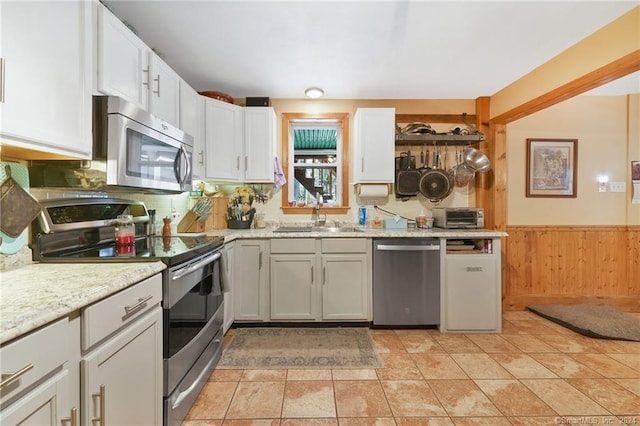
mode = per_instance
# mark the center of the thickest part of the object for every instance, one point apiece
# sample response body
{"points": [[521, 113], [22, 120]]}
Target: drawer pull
{"points": [[72, 419], [9, 378], [474, 268], [102, 397], [141, 301]]}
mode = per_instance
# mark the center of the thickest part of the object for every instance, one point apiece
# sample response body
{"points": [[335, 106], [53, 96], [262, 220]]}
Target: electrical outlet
{"points": [[617, 187]]}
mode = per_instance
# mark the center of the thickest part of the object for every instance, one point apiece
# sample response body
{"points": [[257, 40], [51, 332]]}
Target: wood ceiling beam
{"points": [[605, 74]]}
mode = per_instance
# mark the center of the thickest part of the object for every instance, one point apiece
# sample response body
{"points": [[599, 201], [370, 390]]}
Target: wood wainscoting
{"points": [[571, 264]]}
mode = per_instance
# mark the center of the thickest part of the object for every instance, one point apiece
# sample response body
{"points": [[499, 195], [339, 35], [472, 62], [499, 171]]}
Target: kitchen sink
{"points": [[327, 229]]}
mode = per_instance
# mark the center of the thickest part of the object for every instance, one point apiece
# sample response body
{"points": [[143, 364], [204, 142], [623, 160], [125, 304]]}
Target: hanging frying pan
{"points": [[436, 185]]}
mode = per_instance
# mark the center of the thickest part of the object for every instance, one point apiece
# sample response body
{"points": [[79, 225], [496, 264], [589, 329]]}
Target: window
{"points": [[315, 158]]}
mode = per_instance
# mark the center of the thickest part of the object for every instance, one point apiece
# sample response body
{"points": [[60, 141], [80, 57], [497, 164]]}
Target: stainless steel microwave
{"points": [[140, 150], [131, 149], [458, 218]]}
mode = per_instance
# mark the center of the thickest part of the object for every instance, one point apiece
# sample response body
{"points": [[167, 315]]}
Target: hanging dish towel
{"points": [[278, 175]]}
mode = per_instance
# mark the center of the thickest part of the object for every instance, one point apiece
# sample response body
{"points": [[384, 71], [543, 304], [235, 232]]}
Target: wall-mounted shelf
{"points": [[439, 140]]}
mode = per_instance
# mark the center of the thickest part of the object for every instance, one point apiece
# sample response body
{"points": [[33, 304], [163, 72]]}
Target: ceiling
{"points": [[363, 49]]}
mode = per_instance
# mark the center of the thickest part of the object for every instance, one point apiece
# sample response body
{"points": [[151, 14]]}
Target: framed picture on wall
{"points": [[552, 167]]}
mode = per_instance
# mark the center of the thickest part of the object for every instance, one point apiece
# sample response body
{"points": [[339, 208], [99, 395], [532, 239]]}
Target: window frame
{"points": [[343, 120]]}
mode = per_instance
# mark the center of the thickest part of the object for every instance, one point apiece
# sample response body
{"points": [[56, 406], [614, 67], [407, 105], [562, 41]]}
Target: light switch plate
{"points": [[617, 187]]}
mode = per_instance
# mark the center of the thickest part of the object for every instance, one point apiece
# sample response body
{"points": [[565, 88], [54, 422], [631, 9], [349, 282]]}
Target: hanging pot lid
{"points": [[436, 185]]}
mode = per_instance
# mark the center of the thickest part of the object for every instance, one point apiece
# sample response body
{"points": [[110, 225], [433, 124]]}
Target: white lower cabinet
{"points": [[472, 292], [40, 375], [344, 287], [229, 309], [346, 279], [121, 365], [320, 279], [251, 280]]}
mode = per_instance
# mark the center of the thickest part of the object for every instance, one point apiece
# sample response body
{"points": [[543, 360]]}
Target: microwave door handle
{"points": [[188, 163], [176, 166]]}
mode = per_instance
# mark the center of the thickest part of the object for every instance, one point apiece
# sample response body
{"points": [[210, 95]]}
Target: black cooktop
{"points": [[170, 250]]}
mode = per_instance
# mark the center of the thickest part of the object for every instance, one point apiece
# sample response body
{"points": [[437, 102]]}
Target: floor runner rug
{"points": [[272, 347]]}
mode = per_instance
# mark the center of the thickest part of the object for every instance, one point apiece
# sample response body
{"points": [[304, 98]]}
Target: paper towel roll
{"points": [[372, 190]]}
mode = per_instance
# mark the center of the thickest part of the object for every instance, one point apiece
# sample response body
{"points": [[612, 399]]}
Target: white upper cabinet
{"points": [[45, 99], [259, 143], [192, 122], [224, 158], [128, 68], [123, 61], [164, 96], [374, 146]]}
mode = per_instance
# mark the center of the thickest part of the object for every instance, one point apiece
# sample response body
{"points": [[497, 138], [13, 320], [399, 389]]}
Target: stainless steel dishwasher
{"points": [[406, 281]]}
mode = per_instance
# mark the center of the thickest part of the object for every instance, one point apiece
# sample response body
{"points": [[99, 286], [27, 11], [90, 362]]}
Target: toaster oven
{"points": [[458, 217]]}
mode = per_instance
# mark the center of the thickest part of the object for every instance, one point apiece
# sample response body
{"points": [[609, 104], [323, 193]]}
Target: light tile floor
{"points": [[534, 373]]}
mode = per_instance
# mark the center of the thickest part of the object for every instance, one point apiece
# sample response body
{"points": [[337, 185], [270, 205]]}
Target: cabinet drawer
{"points": [[34, 356], [293, 245], [345, 245], [105, 317]]}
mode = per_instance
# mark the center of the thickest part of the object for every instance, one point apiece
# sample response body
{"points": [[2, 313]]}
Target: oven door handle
{"points": [[189, 269], [201, 377]]}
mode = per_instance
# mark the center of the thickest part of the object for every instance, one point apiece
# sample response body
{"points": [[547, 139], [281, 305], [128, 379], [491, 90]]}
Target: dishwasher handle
{"points": [[395, 247]]}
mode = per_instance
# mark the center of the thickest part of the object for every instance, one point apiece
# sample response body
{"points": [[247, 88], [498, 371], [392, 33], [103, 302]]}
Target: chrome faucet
{"points": [[315, 215]]}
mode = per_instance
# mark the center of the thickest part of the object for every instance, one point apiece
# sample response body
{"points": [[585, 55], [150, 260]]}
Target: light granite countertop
{"points": [[36, 294], [234, 234]]}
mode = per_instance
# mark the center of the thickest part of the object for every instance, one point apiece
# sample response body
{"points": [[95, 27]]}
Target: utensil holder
{"points": [[239, 224]]}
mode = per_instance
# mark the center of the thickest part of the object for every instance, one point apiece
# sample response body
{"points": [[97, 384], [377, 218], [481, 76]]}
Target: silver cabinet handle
{"points": [[138, 305], [362, 164], [2, 80], [202, 157], [157, 92], [238, 162], [8, 378], [102, 399], [474, 269], [246, 163], [311, 275], [260, 261], [324, 276], [72, 419], [146, 83]]}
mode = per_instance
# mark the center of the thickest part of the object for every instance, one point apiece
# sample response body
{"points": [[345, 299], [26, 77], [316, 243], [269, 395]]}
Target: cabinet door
{"points": [[164, 99], [46, 90], [293, 289], [472, 293], [48, 404], [229, 311], [223, 141], [251, 281], [345, 287], [192, 122], [123, 61], [259, 140], [122, 379], [374, 145]]}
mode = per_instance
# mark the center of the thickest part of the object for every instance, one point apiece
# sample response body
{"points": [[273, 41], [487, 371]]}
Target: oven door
{"points": [[140, 156], [192, 314]]}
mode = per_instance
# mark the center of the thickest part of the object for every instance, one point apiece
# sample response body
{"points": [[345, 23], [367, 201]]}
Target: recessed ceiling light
{"points": [[314, 92]]}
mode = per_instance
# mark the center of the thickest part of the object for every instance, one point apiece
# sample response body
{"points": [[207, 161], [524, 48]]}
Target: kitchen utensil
{"points": [[476, 160], [436, 185], [17, 207], [408, 179]]}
